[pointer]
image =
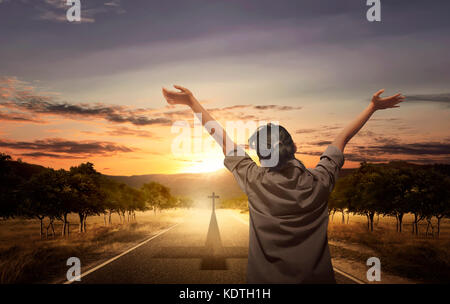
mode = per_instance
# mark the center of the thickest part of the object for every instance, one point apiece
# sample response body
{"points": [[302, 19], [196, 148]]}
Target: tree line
{"points": [[395, 189], [31, 191], [240, 202]]}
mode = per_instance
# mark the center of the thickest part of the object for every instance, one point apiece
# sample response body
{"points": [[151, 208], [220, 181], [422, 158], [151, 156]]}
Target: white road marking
{"points": [[239, 219], [120, 255], [348, 276]]}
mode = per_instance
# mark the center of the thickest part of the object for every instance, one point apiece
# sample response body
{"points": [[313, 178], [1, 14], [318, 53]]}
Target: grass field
{"points": [[25, 258], [424, 258]]}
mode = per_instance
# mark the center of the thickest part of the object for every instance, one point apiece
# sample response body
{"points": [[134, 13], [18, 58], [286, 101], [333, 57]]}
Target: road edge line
{"points": [[120, 255], [239, 219], [349, 276]]}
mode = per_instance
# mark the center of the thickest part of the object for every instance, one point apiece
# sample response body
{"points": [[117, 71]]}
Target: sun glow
{"points": [[205, 165]]}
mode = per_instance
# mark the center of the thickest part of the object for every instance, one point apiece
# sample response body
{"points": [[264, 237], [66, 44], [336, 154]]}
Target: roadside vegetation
{"points": [[401, 212], [240, 203], [394, 190], [47, 216], [26, 258], [421, 258], [48, 195]]}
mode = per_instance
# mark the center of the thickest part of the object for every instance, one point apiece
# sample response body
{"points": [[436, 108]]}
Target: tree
{"points": [[396, 185], [123, 201], [33, 191], [9, 188], [437, 197], [134, 200], [85, 181], [340, 198], [185, 202], [112, 198], [419, 198], [48, 194], [366, 196], [402, 185], [156, 196], [5, 157]]}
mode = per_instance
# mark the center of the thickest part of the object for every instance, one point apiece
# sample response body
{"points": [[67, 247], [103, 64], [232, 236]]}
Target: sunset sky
{"points": [[91, 91]]}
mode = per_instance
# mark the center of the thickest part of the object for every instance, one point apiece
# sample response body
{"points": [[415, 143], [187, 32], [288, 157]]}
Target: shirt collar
{"points": [[292, 162]]}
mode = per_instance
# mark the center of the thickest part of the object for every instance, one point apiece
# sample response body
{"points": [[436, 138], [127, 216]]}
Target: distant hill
{"points": [[195, 185], [22, 169]]}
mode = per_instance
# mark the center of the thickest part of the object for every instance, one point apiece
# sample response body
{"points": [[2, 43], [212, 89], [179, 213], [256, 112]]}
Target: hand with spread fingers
{"points": [[380, 103], [183, 96], [377, 103]]}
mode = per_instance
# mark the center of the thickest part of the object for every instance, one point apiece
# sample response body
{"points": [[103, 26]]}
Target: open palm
{"points": [[381, 103], [183, 96]]}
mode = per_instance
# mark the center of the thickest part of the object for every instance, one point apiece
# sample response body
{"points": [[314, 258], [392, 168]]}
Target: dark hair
{"points": [[284, 146]]}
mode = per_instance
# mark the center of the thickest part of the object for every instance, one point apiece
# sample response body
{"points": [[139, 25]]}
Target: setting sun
{"points": [[203, 166]]}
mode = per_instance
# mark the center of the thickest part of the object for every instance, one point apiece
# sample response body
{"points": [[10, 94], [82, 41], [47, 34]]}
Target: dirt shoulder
{"points": [[25, 258], [351, 258], [404, 257]]}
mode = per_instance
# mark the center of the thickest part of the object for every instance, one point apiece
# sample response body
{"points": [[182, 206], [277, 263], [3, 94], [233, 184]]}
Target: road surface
{"points": [[179, 255]]}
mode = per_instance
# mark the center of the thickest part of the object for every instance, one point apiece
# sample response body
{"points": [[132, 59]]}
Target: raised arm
{"points": [[185, 97], [377, 103]]}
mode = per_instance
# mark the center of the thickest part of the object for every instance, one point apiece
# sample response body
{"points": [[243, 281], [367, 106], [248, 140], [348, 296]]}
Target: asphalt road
{"points": [[180, 255]]}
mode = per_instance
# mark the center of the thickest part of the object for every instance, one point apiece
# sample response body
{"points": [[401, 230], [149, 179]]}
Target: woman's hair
{"points": [[284, 144]]}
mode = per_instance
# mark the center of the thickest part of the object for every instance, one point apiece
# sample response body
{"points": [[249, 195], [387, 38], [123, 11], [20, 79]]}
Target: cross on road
{"points": [[214, 255], [213, 196]]}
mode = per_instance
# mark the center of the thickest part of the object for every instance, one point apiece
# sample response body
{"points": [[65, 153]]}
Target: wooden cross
{"points": [[213, 196]]}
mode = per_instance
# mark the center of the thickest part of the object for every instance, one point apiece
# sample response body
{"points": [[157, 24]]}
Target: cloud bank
{"points": [[62, 148]]}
